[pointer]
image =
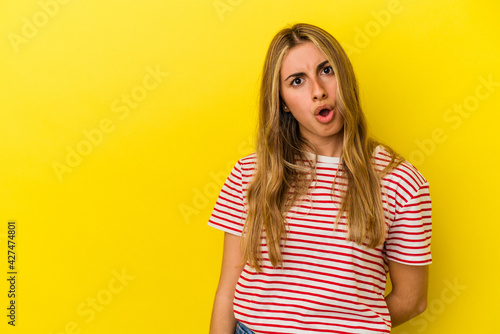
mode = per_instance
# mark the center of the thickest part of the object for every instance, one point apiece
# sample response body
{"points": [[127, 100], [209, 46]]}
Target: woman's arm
{"points": [[408, 297], [223, 321]]}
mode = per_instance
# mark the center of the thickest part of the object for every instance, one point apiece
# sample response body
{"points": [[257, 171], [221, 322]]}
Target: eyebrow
{"points": [[302, 73]]}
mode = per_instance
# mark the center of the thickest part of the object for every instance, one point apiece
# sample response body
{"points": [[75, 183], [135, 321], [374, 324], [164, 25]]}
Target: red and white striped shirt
{"points": [[327, 284]]}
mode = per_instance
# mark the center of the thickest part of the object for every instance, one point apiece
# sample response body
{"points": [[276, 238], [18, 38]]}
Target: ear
{"points": [[283, 105]]}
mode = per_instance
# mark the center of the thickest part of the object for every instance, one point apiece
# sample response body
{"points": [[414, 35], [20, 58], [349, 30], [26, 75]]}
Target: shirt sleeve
{"points": [[409, 237], [229, 211]]}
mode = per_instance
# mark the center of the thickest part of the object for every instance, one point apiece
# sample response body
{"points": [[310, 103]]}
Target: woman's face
{"points": [[308, 87]]}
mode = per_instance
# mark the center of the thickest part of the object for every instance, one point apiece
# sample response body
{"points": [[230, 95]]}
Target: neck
{"points": [[330, 147]]}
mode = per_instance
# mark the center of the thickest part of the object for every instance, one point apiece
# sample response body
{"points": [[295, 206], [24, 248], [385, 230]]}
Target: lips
{"points": [[324, 113], [325, 108]]}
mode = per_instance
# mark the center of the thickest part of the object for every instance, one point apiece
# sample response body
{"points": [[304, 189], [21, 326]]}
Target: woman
{"points": [[316, 218]]}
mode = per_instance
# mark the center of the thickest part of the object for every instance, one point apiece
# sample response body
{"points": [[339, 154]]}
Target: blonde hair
{"points": [[284, 169]]}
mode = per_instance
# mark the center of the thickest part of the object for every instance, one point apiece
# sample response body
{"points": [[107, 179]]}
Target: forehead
{"points": [[302, 58]]}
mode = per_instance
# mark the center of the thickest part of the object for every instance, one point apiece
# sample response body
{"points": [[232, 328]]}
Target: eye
{"points": [[295, 82], [328, 70]]}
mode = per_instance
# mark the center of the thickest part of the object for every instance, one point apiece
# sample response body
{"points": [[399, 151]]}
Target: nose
{"points": [[318, 91]]}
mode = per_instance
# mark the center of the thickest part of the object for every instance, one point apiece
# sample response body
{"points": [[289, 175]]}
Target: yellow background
{"points": [[137, 203]]}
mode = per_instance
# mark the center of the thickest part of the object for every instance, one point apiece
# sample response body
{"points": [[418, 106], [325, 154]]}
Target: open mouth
{"points": [[325, 115], [324, 112]]}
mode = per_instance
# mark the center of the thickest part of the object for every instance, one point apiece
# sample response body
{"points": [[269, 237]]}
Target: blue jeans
{"points": [[242, 329]]}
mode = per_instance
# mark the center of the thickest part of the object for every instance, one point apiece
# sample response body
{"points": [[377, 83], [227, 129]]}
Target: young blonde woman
{"points": [[320, 213]]}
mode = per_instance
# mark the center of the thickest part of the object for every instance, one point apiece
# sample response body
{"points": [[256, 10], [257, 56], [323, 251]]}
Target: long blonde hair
{"points": [[284, 169]]}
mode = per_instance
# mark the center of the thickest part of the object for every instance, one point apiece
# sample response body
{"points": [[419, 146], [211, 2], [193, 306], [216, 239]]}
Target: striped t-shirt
{"points": [[327, 284]]}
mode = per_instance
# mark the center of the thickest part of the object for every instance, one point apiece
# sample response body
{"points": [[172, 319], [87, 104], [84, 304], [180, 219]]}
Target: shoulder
{"points": [[245, 166], [404, 177], [249, 160]]}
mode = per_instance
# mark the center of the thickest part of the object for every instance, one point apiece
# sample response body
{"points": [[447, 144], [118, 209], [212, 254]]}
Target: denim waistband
{"points": [[242, 329]]}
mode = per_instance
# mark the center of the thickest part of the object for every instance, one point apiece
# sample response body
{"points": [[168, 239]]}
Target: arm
{"points": [[223, 320], [408, 297]]}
